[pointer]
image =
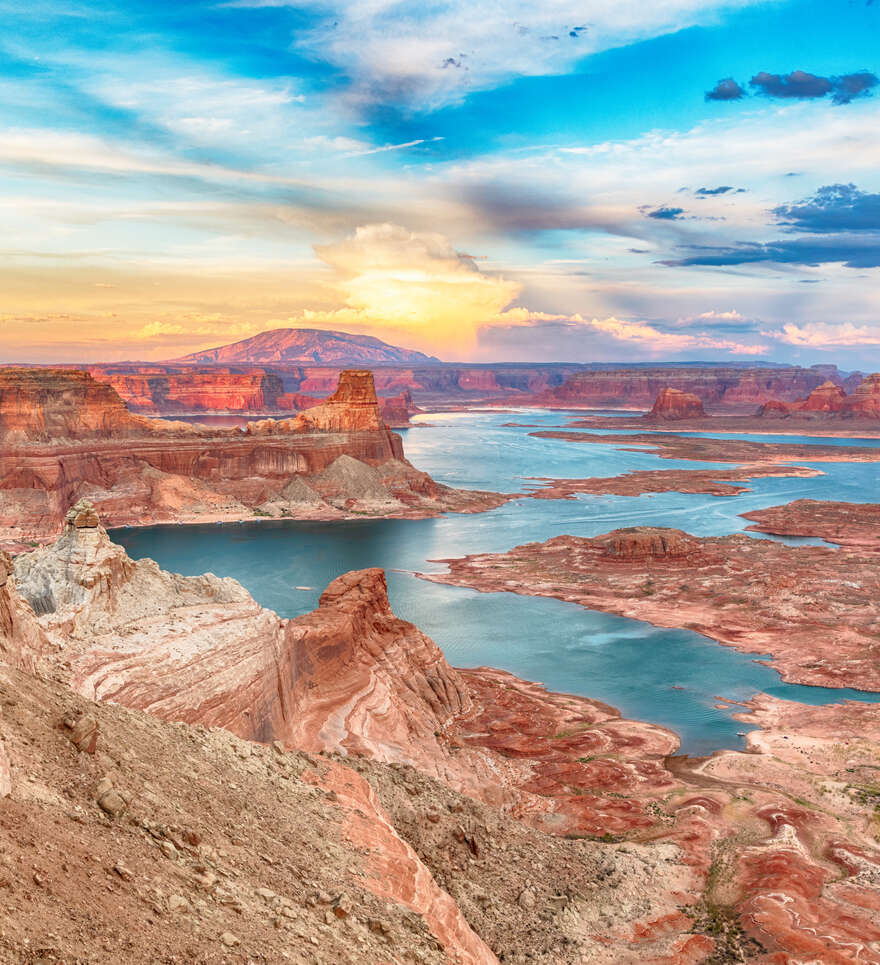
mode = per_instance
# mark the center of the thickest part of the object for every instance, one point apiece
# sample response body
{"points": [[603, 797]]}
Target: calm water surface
{"points": [[671, 677]]}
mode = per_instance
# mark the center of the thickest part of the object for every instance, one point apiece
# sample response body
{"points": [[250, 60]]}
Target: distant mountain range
{"points": [[310, 346]]}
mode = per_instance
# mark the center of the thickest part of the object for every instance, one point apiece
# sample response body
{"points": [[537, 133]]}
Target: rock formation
{"points": [[729, 389], [864, 403], [397, 409], [673, 405], [648, 543], [353, 407], [830, 400], [64, 436], [51, 405], [350, 677], [22, 641]]}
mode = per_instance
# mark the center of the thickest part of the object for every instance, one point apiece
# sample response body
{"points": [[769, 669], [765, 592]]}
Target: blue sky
{"points": [[525, 181]]}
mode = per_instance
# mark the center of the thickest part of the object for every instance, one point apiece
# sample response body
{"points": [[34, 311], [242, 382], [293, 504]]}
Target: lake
{"points": [[670, 677]]}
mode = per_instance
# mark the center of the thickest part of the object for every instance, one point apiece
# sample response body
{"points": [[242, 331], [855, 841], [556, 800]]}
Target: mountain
{"points": [[309, 346]]}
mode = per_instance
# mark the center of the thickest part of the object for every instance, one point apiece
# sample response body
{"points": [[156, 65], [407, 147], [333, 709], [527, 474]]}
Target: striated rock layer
{"points": [[64, 436], [831, 401], [727, 389]]}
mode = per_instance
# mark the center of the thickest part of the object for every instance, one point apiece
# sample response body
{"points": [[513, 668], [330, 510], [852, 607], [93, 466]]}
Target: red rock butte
{"points": [[673, 404]]}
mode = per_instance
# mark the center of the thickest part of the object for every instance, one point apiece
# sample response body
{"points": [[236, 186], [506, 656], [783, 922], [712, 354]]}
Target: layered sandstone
{"points": [[64, 436], [846, 524], [397, 409], [830, 400], [672, 405], [47, 405], [729, 389]]}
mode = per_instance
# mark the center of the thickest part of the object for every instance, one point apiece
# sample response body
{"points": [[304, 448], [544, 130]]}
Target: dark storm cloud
{"points": [[722, 189], [725, 90], [805, 86], [665, 214], [853, 251], [834, 207], [796, 84], [799, 85], [853, 85]]}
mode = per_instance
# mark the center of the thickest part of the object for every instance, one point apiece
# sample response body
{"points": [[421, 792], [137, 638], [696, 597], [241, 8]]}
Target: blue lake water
{"points": [[671, 677]]}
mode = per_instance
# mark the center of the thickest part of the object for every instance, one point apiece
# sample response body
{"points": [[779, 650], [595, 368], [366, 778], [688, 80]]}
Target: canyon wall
{"points": [[725, 389], [64, 436], [831, 401]]}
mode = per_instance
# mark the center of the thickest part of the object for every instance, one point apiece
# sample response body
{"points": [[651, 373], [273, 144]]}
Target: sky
{"points": [[570, 180]]}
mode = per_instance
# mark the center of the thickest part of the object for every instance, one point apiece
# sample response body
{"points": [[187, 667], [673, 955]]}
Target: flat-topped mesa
{"points": [[336, 458], [673, 404], [42, 405], [648, 543]]}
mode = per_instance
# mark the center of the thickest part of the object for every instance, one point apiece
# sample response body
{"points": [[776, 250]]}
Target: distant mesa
{"points": [[673, 404], [308, 346]]}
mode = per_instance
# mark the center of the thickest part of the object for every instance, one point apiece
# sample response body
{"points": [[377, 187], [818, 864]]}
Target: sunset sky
{"points": [[556, 181]]}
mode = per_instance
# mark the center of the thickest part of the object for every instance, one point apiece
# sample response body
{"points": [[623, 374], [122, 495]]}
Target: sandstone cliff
{"points": [[673, 404], [729, 389], [830, 400], [350, 677], [64, 436], [50, 405]]}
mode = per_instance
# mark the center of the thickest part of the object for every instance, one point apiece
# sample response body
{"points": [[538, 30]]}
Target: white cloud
{"points": [[433, 54], [825, 336]]}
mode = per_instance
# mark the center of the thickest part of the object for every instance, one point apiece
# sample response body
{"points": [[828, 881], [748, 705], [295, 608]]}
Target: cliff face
{"points": [[721, 388], [38, 405], [353, 407], [831, 400], [22, 641], [139, 470], [864, 403], [397, 409], [211, 390], [672, 404]]}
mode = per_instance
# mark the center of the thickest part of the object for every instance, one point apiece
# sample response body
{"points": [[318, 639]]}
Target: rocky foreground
{"points": [[185, 777], [64, 436]]}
